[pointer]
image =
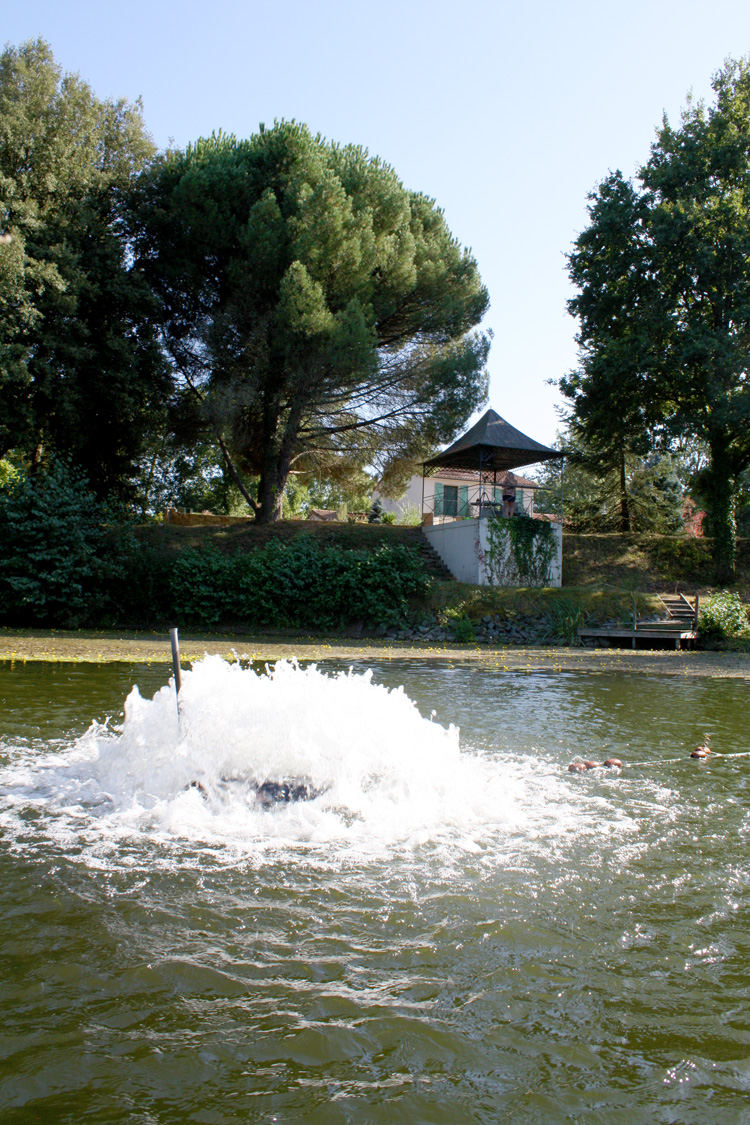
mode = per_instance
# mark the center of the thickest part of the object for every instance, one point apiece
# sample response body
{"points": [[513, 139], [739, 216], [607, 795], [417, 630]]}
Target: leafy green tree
{"points": [[743, 505], [664, 301], [613, 418], [593, 491], [320, 314], [81, 373], [304, 491], [193, 478], [698, 185]]}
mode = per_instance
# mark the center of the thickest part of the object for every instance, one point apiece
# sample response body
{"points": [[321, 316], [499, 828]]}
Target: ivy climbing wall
{"points": [[500, 552], [520, 552]]}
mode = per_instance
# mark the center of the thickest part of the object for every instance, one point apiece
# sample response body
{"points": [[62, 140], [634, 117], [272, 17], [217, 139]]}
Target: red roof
{"points": [[503, 478]]}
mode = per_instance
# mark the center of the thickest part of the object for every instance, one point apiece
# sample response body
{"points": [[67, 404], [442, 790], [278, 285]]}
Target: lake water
{"points": [[454, 930]]}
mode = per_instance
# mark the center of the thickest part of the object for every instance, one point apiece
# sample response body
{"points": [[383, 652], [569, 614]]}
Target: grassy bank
{"points": [[249, 536], [84, 647], [647, 563], [600, 604], [605, 577], [335, 580]]}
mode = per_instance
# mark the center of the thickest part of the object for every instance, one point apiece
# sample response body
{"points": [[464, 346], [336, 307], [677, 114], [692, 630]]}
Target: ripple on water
{"points": [[455, 931]]}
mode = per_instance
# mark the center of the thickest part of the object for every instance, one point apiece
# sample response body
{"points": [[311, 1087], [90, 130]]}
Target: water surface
{"points": [[455, 930]]}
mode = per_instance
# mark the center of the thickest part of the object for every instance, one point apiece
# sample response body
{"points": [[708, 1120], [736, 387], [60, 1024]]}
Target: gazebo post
{"points": [[562, 487]]}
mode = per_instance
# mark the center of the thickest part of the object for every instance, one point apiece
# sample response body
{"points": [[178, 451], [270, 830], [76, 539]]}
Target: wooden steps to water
{"points": [[680, 625], [679, 608]]}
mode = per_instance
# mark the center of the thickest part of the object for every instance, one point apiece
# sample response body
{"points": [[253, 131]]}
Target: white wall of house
{"points": [[412, 498], [464, 547]]}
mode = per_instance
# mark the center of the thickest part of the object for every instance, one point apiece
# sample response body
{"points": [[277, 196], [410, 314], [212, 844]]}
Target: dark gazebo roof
{"points": [[492, 445]]}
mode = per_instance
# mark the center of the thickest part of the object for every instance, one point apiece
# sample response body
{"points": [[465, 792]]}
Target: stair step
{"points": [[433, 564], [678, 607]]}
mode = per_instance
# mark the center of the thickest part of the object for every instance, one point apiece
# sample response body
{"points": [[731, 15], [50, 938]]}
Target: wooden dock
{"points": [[652, 631], [680, 625]]}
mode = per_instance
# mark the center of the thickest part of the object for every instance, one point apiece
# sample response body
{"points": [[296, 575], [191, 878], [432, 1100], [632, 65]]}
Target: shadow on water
{"points": [[444, 937]]}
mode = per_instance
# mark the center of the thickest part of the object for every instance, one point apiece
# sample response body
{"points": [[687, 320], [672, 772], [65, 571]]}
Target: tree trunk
{"points": [[277, 461], [36, 458], [720, 500], [625, 525], [236, 476], [270, 492]]}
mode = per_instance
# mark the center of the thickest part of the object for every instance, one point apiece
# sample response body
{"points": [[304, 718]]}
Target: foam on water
{"points": [[382, 774]]}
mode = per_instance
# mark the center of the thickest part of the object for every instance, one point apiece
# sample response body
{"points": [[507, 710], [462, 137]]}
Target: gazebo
{"points": [[493, 446], [479, 549], [490, 447]]}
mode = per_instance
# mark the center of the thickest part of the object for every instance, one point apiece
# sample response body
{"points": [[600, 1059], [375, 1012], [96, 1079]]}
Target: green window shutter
{"points": [[438, 498], [498, 494], [463, 500], [519, 501]]}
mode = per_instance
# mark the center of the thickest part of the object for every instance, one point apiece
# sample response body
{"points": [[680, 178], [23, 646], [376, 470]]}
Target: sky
{"points": [[507, 114]]}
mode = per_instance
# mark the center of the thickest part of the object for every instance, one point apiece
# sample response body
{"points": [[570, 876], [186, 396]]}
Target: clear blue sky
{"points": [[506, 114]]}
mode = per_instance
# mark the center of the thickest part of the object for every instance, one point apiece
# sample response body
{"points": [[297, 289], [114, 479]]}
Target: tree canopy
{"points": [[81, 373], [317, 315], [664, 300]]}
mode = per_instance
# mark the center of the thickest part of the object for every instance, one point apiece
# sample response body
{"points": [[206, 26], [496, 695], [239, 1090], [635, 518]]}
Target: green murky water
{"points": [[490, 939]]}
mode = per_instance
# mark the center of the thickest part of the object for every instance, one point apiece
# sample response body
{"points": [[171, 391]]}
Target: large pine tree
{"points": [[317, 312]]}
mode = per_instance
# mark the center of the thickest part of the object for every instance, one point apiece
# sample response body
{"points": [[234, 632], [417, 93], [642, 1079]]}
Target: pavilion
{"points": [[479, 466], [484, 455]]}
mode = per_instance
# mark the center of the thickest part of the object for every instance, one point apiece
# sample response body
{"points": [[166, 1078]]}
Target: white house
{"points": [[460, 494], [468, 496]]}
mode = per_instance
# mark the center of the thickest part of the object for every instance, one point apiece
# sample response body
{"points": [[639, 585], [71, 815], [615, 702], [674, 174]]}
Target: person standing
{"points": [[509, 499]]}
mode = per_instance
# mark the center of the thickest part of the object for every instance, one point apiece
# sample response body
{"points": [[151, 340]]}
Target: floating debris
{"points": [[704, 751], [584, 767]]}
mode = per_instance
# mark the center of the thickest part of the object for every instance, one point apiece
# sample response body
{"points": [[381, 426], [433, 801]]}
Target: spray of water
{"points": [[373, 773]]}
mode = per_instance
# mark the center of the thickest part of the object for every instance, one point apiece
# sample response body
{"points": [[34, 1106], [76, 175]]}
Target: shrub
{"points": [[566, 617], [410, 516], [298, 583], [463, 631], [59, 549], [724, 615]]}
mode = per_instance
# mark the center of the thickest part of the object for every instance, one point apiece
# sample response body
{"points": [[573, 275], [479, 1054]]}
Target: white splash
{"points": [[377, 773]]}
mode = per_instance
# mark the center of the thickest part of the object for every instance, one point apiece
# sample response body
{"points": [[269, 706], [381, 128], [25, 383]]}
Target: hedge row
{"points": [[66, 561]]}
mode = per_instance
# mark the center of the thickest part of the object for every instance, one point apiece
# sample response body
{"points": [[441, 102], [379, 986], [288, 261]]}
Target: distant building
{"points": [[472, 480]]}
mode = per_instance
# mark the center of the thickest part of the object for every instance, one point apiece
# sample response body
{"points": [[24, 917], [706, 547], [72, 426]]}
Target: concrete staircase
{"points": [[433, 564]]}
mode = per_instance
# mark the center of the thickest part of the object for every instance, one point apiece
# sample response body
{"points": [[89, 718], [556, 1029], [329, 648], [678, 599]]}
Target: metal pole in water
{"points": [[174, 638]]}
